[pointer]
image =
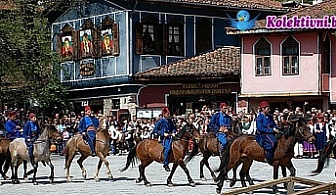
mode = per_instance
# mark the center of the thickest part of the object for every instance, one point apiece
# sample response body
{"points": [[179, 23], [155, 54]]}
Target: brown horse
{"points": [[19, 153], [77, 143], [210, 146], [150, 150], [245, 149], [4, 156]]}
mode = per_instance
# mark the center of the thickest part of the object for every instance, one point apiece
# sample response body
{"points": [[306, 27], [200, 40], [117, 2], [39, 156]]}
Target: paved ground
{"points": [[124, 183]]}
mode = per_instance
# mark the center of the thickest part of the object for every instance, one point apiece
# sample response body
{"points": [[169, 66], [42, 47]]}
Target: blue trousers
{"points": [[91, 139], [30, 146], [167, 142], [222, 140], [268, 142]]}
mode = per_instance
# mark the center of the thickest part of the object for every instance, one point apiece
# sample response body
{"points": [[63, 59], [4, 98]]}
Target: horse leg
{"points": [[234, 176], [275, 176], [14, 167], [185, 169], [25, 175], [206, 163], [142, 167], [68, 159], [245, 168], [97, 172], [80, 163], [7, 162], [51, 177], [107, 165], [35, 165], [284, 174], [169, 182], [248, 177]]}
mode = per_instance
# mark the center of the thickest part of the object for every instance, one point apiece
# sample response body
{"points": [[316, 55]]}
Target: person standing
{"points": [[88, 126], [167, 131], [266, 128], [12, 129], [31, 132]]}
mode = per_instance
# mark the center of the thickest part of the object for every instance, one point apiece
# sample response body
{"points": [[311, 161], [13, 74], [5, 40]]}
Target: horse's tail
{"points": [[131, 158], [192, 154], [324, 157], [225, 156]]}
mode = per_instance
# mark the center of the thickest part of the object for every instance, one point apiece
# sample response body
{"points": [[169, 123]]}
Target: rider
{"points": [[266, 128], [224, 123], [88, 125], [167, 131], [31, 132], [13, 130]]}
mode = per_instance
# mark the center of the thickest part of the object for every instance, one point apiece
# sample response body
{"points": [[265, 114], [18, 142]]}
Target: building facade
{"points": [[104, 43]]}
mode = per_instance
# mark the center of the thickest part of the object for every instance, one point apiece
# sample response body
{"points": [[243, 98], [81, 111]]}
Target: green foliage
{"points": [[28, 68]]}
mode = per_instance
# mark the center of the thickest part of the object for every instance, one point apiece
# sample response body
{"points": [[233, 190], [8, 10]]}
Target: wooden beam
{"points": [[316, 189]]}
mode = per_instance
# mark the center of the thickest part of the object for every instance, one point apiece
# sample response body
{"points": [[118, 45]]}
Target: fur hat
{"points": [[87, 108]]}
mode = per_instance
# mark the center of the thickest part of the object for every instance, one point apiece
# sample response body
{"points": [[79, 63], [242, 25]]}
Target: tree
{"points": [[29, 70]]}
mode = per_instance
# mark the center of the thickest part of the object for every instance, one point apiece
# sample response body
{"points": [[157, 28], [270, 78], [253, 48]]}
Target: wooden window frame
{"points": [[174, 29], [264, 70], [291, 68]]}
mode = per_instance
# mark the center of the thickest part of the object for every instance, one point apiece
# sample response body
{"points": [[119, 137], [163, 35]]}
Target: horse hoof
{"points": [[192, 184], [232, 184], [35, 183], [148, 184], [69, 180], [218, 191], [97, 179], [170, 184], [138, 180], [203, 178], [26, 179], [6, 177]]}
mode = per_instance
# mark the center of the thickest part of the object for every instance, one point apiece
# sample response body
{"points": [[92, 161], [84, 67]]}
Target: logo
{"points": [[243, 21], [307, 22]]}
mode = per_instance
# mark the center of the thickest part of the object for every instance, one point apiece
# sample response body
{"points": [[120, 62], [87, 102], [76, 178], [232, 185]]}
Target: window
{"points": [[149, 38], [67, 43], [262, 57], [109, 37], [290, 57], [174, 38], [203, 35], [325, 46]]}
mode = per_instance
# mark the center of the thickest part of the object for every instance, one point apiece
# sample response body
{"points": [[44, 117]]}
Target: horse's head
{"points": [[189, 131], [52, 133], [302, 130]]}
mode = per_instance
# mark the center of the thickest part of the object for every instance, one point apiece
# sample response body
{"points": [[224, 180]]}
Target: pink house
{"points": [[290, 67]]}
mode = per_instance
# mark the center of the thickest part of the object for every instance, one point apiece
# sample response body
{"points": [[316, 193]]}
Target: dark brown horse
{"points": [[210, 146], [245, 149], [77, 143], [324, 157], [150, 150]]}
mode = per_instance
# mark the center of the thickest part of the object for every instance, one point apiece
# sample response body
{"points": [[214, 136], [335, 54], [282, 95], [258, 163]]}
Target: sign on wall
{"points": [[87, 69]]}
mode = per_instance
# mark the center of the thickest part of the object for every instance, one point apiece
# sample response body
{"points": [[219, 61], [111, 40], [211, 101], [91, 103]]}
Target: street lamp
{"points": [[236, 100]]}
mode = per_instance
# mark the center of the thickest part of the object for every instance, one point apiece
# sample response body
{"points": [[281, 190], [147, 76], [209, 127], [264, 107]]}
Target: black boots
{"points": [[166, 167]]}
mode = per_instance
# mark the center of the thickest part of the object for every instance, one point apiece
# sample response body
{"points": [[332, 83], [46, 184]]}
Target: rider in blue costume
{"points": [[12, 129], [31, 132], [266, 128], [88, 125], [224, 123], [167, 131]]}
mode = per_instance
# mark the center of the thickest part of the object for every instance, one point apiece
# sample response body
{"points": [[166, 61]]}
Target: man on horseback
{"points": [[31, 132], [266, 128], [224, 123], [167, 130], [88, 126], [12, 129]]}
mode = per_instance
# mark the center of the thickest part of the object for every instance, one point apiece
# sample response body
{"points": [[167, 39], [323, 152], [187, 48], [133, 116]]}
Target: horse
{"points": [[324, 157], [4, 156], [150, 150], [77, 143], [245, 149], [19, 153], [210, 146]]}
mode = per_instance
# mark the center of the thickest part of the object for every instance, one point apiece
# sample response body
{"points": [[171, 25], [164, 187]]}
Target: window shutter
{"points": [[96, 43], [76, 47], [181, 33], [165, 39], [115, 30], [58, 40], [139, 39]]}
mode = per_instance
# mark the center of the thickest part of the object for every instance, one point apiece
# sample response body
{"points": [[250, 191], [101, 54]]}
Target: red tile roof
{"points": [[325, 8], [218, 63], [240, 4]]}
